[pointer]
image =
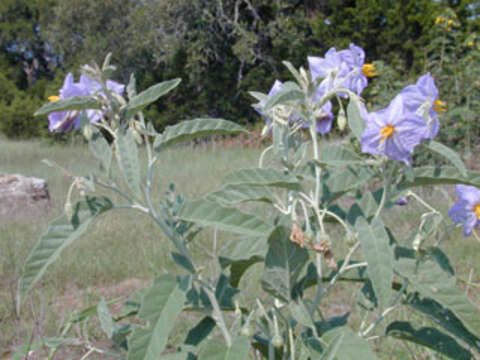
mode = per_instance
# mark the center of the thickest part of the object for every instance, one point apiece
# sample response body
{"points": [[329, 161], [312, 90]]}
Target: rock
{"points": [[19, 193]]}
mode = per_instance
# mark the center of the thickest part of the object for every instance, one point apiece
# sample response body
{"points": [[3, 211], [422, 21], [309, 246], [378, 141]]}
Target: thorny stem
{"points": [[345, 265], [423, 202]]}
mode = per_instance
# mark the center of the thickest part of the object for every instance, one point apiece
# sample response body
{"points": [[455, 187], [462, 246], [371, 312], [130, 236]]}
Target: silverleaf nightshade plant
{"points": [[321, 196]]}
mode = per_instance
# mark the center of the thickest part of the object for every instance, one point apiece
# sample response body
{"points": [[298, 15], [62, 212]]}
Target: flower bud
{"points": [[247, 331], [341, 119], [277, 341], [87, 132]]}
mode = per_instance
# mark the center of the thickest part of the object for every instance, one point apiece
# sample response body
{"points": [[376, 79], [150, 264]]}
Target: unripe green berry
{"points": [[247, 331], [277, 341]]}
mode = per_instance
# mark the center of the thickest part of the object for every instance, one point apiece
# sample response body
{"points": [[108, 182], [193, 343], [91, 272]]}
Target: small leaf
{"points": [[207, 213], [355, 120], [293, 71], [127, 157], [449, 154], [262, 177], [74, 103], [60, 233], [160, 307], [379, 255], [286, 95], [183, 261], [429, 337], [106, 319], [152, 94], [283, 264], [191, 129]]}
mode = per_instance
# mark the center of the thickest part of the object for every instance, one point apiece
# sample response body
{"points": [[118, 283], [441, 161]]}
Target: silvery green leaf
{"points": [[152, 94], [449, 154], [351, 347], [261, 97], [106, 319], [379, 256], [132, 87], [283, 264], [286, 95], [218, 350], [235, 194], [429, 175], [262, 177], [207, 213], [160, 307], [201, 331], [355, 120], [100, 149], [74, 103], [338, 156], [191, 129], [126, 151], [429, 337], [293, 71], [60, 233]]}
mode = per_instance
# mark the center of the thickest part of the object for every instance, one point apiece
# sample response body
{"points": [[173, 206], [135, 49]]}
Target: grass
{"points": [[122, 252]]}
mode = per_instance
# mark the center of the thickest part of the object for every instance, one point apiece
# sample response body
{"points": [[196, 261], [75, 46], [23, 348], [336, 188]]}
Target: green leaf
{"points": [[283, 264], [429, 337], [236, 194], [183, 355], [60, 233], [207, 213], [293, 71], [429, 279], [152, 94], [443, 317], [355, 120], [160, 307], [338, 156], [100, 148], [286, 95], [333, 347], [200, 331], [262, 177], [449, 154], [337, 182], [217, 350], [74, 103], [127, 157], [106, 319], [379, 256], [191, 129], [183, 261], [351, 347], [242, 253], [430, 175]]}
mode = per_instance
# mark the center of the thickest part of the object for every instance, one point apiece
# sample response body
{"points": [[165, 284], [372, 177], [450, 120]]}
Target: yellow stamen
{"points": [[450, 22], [476, 210], [439, 106], [439, 20], [386, 132], [470, 43], [369, 70], [53, 98]]}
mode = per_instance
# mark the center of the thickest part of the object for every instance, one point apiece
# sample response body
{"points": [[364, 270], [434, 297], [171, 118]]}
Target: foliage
{"points": [[292, 240]]}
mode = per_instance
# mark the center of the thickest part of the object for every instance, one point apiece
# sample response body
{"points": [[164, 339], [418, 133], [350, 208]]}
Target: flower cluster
{"points": [[411, 117], [66, 120]]}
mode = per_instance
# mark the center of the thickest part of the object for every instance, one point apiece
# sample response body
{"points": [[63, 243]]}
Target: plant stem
{"points": [[218, 316]]}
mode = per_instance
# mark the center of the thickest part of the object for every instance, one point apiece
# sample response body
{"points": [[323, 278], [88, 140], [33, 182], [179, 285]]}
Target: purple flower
{"points": [[401, 201], [66, 120], [422, 99], [344, 68], [466, 210], [392, 131]]}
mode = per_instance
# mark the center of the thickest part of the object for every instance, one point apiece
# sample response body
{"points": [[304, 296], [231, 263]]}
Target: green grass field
{"points": [[123, 251]]}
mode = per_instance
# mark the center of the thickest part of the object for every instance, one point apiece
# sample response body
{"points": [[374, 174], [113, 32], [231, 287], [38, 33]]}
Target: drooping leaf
{"points": [[235, 194], [443, 317], [449, 154], [241, 253], [60, 233], [428, 278], [126, 151], [74, 103], [100, 148], [208, 213], [379, 256], [429, 337], [338, 156], [152, 94], [191, 129], [283, 264], [262, 177], [218, 350], [160, 307], [106, 319], [351, 347], [355, 120], [430, 175]]}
